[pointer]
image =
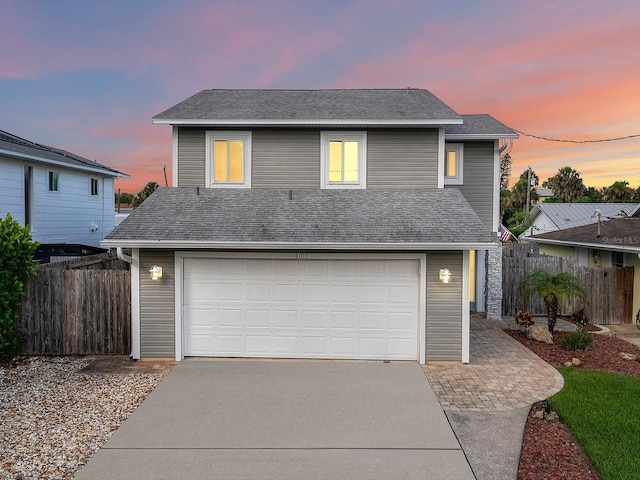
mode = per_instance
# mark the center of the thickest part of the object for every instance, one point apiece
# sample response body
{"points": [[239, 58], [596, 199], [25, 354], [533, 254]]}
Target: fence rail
{"points": [[609, 290], [76, 311]]}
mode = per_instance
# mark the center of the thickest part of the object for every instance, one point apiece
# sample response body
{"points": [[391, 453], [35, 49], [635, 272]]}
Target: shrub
{"points": [[577, 340], [580, 317], [16, 265], [524, 318]]}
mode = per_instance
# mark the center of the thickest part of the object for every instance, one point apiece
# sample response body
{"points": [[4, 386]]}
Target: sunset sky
{"points": [[87, 76]]}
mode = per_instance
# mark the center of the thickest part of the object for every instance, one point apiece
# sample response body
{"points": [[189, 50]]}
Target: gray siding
{"points": [[478, 179], [444, 307], [191, 161], [157, 316], [402, 158], [285, 159]]}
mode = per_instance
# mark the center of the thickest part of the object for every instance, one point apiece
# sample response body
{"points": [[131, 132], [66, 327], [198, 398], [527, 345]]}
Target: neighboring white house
{"points": [[64, 198], [550, 217]]}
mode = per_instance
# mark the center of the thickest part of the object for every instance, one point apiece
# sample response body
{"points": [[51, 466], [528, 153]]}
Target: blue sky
{"points": [[88, 76]]}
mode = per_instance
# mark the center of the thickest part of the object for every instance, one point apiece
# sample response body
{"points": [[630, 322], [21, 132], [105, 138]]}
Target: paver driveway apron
{"points": [[247, 419]]}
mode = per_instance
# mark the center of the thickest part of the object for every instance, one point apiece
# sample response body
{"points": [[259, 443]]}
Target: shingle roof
{"points": [[11, 144], [305, 105], [567, 215], [441, 217], [479, 126], [618, 232]]}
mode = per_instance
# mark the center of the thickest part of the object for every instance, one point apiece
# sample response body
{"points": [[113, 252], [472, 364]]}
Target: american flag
{"points": [[505, 234]]}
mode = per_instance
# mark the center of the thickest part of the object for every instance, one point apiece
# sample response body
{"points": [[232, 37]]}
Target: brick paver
{"points": [[502, 375]]}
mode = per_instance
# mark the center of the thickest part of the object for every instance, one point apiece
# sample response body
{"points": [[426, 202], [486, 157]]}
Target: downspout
{"points": [[129, 260], [122, 256]]}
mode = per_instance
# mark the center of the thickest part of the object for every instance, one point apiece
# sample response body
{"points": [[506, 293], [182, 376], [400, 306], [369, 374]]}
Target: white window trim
{"points": [[361, 138], [214, 135], [49, 191], [459, 149], [91, 195]]}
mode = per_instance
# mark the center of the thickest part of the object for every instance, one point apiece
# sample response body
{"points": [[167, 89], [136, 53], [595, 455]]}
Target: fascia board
{"points": [[48, 161], [285, 122], [480, 136], [173, 244], [592, 246]]}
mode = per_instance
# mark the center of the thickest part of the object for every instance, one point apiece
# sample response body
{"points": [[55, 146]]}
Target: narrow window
{"points": [[453, 163], [53, 181], [94, 187], [617, 259]]}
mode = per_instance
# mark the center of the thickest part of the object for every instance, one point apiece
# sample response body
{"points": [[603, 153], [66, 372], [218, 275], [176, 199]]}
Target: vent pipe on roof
{"points": [[599, 215], [197, 190], [290, 194], [408, 90]]}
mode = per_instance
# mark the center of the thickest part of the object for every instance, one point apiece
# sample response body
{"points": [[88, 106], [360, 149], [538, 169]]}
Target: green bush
{"points": [[16, 265], [577, 340]]}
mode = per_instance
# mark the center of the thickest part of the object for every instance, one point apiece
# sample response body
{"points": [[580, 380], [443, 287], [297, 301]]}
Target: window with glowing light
{"points": [[343, 159], [228, 159], [453, 163]]}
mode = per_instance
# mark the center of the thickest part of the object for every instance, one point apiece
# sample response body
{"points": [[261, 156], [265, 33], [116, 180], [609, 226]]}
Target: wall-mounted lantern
{"points": [[445, 275], [156, 272]]}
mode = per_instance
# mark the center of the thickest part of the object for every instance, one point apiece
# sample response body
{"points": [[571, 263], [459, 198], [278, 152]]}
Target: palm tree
{"points": [[553, 288]]}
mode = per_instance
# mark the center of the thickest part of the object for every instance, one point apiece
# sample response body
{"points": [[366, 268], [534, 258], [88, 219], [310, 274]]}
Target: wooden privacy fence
{"points": [[76, 311], [609, 290]]}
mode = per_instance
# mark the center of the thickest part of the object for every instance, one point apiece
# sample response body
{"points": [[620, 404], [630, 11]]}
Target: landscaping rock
{"points": [[539, 333], [628, 356], [552, 417], [539, 414], [568, 364], [576, 362]]}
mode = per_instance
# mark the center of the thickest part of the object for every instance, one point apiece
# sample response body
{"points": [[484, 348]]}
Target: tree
{"points": [[518, 198], [125, 198], [553, 288], [505, 171], [16, 265], [566, 185], [143, 194], [519, 222], [619, 191], [636, 195]]}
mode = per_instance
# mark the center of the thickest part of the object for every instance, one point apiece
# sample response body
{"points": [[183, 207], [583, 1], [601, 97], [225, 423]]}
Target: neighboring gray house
{"points": [[64, 198], [351, 224], [550, 217]]}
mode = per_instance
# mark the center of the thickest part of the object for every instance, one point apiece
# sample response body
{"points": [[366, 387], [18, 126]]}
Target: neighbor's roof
{"points": [[409, 106], [14, 146], [479, 127], [567, 215], [433, 219], [615, 234]]}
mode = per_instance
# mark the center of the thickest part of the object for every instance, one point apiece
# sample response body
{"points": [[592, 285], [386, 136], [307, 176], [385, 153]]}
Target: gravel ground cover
{"points": [[54, 416]]}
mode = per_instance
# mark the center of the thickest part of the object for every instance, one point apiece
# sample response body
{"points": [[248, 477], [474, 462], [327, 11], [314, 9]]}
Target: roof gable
{"points": [[361, 106], [14, 146]]}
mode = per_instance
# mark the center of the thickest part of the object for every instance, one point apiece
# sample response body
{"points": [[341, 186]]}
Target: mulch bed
{"points": [[549, 450]]}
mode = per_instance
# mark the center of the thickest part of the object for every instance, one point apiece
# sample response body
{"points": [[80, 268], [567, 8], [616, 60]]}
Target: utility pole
{"points": [[528, 187]]}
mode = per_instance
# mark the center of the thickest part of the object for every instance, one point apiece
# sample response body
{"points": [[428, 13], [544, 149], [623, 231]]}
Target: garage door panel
{"points": [[301, 309]]}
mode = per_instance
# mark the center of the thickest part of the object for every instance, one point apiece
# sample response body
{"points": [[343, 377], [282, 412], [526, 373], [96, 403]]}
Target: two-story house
{"points": [[350, 224], [63, 197]]}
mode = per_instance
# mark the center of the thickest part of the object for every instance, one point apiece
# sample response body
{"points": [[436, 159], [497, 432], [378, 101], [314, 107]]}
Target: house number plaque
{"points": [[302, 256]]}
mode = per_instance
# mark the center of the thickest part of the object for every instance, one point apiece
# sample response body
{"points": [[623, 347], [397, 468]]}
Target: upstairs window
{"points": [[228, 159], [453, 163], [52, 181], [343, 157], [93, 187]]}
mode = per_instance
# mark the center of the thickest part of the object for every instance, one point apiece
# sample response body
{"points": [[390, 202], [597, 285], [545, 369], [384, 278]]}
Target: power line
{"points": [[561, 140]]}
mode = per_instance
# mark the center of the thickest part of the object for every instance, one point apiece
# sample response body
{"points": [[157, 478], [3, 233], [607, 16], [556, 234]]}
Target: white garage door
{"points": [[360, 309]]}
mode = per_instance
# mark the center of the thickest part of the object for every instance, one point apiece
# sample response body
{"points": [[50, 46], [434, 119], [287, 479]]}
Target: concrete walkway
{"points": [[488, 400], [244, 419]]}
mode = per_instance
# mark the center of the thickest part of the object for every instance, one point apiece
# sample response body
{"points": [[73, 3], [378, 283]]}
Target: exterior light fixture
{"points": [[445, 275], [156, 272]]}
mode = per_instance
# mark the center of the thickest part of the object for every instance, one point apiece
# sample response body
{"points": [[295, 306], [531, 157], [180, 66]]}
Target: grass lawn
{"points": [[603, 412]]}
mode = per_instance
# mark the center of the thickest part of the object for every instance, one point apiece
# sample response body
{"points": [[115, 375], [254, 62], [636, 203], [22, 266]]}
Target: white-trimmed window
{"points": [[617, 259], [93, 187], [52, 180], [228, 159], [343, 159], [453, 162]]}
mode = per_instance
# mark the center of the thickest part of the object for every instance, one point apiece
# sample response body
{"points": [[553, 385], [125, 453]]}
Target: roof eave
{"points": [[579, 244], [204, 244], [285, 122], [480, 136], [48, 161]]}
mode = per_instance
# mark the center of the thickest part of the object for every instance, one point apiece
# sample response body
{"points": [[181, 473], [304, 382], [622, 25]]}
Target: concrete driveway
{"points": [[242, 419]]}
